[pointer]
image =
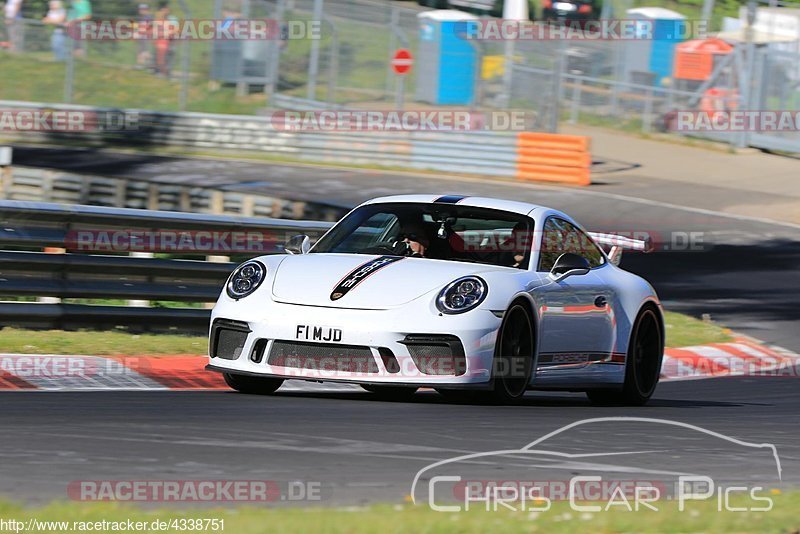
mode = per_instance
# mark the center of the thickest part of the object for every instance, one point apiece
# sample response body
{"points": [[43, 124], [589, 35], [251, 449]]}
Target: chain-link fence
{"points": [[609, 82]]}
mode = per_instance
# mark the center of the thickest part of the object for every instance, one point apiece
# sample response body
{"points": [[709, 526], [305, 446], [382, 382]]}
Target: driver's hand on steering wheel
{"points": [[417, 248]]}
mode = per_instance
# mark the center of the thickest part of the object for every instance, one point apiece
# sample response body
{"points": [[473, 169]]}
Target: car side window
{"points": [[560, 236]]}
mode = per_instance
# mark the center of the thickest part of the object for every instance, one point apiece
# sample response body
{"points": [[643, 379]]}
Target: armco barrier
{"points": [[529, 156], [553, 158], [27, 228], [41, 185]]}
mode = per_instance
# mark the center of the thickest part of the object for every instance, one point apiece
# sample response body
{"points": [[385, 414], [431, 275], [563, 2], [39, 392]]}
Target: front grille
{"points": [[322, 357], [228, 339], [436, 354]]}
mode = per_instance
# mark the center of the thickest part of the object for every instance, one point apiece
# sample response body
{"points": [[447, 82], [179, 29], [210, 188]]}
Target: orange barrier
{"points": [[553, 158]]}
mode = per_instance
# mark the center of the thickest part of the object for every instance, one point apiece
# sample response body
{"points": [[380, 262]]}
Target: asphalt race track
{"points": [[363, 450], [360, 449]]}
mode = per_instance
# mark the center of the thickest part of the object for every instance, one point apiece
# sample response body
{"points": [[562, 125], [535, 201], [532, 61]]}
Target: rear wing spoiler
{"points": [[615, 244]]}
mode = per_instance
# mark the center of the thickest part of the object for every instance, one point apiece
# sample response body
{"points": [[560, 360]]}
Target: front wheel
{"points": [[254, 385], [513, 362], [642, 365]]}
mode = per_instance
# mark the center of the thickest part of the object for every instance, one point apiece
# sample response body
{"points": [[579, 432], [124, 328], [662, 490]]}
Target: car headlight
{"points": [[246, 279], [462, 295]]}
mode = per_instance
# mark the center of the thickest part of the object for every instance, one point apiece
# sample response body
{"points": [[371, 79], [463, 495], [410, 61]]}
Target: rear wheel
{"points": [[397, 393], [255, 385], [642, 366]]}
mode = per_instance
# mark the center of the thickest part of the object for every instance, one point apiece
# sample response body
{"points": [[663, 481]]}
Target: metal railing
{"points": [[40, 257], [489, 153], [42, 185]]}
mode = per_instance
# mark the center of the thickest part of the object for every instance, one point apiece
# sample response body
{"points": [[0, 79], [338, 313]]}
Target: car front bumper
{"points": [[369, 332]]}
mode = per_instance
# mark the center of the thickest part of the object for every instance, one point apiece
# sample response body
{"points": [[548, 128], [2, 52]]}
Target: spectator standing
{"points": [[79, 10], [144, 48], [14, 25], [57, 16], [165, 32]]}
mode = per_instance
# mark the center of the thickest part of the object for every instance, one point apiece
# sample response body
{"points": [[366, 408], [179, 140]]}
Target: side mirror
{"points": [[569, 264], [299, 244]]}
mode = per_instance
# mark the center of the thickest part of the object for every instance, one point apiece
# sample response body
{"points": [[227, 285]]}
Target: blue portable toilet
{"points": [[447, 61], [655, 56]]}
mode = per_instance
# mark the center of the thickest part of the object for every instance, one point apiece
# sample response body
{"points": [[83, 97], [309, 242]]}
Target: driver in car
{"points": [[414, 237]]}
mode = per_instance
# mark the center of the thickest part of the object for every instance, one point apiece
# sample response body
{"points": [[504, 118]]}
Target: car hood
{"points": [[364, 281]]}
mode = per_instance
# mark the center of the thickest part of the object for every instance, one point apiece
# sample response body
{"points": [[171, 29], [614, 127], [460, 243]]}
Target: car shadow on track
{"points": [[530, 400]]}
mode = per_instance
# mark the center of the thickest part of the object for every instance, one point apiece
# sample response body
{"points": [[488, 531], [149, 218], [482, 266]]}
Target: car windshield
{"points": [[436, 231]]}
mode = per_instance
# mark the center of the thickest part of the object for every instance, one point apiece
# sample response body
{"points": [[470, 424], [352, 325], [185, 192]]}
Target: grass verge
{"points": [[682, 331], [106, 343], [700, 516]]}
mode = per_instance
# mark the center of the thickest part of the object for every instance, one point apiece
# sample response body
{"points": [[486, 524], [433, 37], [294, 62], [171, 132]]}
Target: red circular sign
{"points": [[402, 61]]}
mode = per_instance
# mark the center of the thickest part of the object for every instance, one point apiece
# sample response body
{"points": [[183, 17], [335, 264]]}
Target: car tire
{"points": [[514, 356], [512, 366], [254, 385], [513, 363], [394, 393], [642, 364]]}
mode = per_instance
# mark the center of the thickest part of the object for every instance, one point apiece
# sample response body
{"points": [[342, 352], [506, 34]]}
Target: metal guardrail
{"points": [[42, 185], [489, 153], [28, 228]]}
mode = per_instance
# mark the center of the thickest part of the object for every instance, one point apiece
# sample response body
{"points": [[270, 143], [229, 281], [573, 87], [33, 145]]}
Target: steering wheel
{"points": [[394, 248]]}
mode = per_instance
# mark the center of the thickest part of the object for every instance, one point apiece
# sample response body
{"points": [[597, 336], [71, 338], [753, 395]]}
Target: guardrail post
{"points": [[248, 205], [152, 197], [137, 303], [47, 187], [217, 204], [185, 201], [298, 209], [5, 171], [120, 193], [52, 300]]}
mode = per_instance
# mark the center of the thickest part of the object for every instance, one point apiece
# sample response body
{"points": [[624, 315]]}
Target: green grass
{"points": [[16, 340], [384, 519], [34, 77], [682, 331]]}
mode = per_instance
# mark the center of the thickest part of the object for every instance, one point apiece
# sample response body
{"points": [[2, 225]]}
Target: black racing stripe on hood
{"points": [[361, 273], [450, 199]]}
